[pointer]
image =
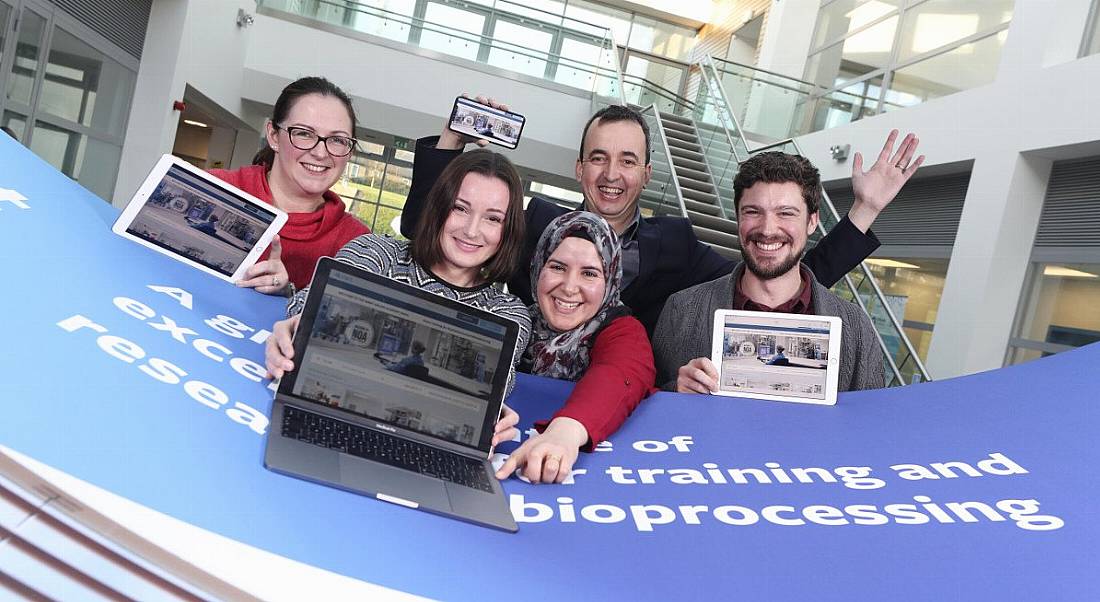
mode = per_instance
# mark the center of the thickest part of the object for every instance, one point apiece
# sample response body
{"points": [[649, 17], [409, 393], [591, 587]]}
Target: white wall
{"points": [[1011, 129], [410, 94], [194, 42]]}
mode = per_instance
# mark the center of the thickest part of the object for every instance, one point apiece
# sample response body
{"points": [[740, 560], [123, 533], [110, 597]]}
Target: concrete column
{"points": [[988, 263], [193, 43], [771, 110], [151, 130], [788, 33], [1068, 21]]}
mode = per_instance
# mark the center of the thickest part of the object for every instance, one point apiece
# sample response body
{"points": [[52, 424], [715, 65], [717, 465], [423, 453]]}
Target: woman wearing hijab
{"points": [[581, 332]]}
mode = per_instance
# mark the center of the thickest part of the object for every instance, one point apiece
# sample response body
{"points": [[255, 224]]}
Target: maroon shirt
{"points": [[802, 303]]}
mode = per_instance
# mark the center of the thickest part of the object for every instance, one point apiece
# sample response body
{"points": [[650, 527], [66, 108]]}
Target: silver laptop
{"points": [[394, 395]]}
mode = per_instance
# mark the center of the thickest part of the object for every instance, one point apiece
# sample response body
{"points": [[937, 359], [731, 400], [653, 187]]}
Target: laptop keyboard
{"points": [[381, 447]]}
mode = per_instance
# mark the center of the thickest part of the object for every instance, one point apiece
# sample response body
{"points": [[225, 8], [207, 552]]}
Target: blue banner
{"points": [[143, 376]]}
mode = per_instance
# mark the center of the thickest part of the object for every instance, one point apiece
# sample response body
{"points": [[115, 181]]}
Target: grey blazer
{"points": [[683, 332]]}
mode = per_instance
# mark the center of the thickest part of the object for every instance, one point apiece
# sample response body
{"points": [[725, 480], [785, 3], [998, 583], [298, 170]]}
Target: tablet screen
{"points": [[197, 220], [769, 355]]}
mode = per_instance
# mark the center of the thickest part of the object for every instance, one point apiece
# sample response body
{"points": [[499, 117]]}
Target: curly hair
{"points": [[778, 168]]}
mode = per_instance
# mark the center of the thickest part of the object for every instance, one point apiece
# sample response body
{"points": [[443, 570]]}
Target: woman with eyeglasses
{"points": [[310, 138]]}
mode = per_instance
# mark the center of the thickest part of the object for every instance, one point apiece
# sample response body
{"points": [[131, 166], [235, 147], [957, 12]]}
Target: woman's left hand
{"points": [[270, 276], [505, 429], [548, 457]]}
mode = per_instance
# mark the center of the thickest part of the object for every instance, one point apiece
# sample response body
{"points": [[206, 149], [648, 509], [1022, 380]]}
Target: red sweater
{"points": [[306, 237], [620, 374]]}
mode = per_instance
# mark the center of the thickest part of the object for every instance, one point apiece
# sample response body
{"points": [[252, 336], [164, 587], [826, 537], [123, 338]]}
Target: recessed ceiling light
{"points": [[1057, 270], [890, 263], [197, 124]]}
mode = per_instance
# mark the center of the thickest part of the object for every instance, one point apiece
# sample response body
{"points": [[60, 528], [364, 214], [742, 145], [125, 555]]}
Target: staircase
{"points": [[687, 189]]}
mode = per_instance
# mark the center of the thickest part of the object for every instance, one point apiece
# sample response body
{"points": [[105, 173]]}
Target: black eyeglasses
{"points": [[306, 139]]}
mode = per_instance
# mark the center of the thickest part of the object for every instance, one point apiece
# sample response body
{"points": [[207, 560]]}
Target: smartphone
{"points": [[472, 118]]}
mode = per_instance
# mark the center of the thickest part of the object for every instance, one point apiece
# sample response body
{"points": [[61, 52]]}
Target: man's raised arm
{"points": [[851, 240], [432, 156]]}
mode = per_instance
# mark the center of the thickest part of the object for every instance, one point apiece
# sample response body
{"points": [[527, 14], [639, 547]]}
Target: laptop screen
{"points": [[209, 225], [403, 358]]}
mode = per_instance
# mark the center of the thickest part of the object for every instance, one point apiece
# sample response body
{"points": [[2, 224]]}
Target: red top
{"points": [[802, 303], [306, 237], [620, 374]]}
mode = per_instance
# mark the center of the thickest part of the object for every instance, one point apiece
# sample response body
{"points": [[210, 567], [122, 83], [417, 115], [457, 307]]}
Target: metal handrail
{"points": [[711, 174], [815, 92], [761, 70], [659, 90], [868, 277], [668, 155], [717, 83], [878, 336]]}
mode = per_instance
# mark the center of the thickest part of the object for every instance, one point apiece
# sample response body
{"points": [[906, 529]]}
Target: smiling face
{"points": [[471, 235], [309, 173], [613, 172], [774, 224], [571, 285]]}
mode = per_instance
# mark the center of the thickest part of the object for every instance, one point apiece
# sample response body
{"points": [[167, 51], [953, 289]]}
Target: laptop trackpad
{"points": [[364, 475]]}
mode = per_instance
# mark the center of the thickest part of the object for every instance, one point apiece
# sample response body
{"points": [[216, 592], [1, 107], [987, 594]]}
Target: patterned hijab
{"points": [[565, 355]]}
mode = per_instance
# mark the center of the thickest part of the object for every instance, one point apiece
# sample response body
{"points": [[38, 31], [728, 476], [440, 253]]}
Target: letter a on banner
{"points": [[13, 197]]}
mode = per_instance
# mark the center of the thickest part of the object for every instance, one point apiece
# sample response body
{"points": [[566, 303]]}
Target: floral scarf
{"points": [[565, 355]]}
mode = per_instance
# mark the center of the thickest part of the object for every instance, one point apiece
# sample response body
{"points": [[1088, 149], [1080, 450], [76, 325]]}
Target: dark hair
{"points": [[426, 249], [418, 347], [778, 168], [289, 96], [7, 130], [611, 114]]}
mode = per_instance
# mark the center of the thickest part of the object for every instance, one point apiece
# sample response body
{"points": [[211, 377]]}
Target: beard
{"points": [[775, 270]]}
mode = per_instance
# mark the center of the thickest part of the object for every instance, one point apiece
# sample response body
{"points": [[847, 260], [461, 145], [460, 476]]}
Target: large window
{"points": [[560, 40], [375, 185], [913, 288], [1059, 311], [66, 92], [518, 47], [901, 54]]}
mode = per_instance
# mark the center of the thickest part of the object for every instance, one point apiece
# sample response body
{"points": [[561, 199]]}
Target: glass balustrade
{"points": [[509, 36]]}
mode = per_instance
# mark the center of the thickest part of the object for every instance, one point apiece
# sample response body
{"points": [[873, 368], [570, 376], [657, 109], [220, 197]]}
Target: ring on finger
{"points": [[554, 459], [274, 281]]}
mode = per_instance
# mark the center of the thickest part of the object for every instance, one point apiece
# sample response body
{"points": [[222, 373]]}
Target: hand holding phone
{"points": [[474, 120]]}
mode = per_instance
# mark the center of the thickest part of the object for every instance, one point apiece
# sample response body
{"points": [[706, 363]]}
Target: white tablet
{"points": [[193, 217], [783, 357]]}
